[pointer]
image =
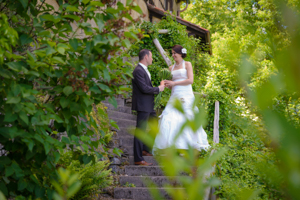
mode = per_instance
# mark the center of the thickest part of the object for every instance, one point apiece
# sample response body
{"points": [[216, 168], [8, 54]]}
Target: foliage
{"points": [[67, 186], [93, 176], [250, 73], [177, 35], [54, 65], [163, 74], [192, 163]]}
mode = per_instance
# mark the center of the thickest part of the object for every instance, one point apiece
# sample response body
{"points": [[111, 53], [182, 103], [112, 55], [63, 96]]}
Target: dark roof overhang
{"points": [[194, 29]]}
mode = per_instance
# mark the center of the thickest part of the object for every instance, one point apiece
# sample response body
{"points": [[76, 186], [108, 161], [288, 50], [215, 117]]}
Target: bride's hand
{"points": [[169, 83]]}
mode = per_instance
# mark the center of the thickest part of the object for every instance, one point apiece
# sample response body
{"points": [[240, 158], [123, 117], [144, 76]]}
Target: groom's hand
{"points": [[161, 88]]}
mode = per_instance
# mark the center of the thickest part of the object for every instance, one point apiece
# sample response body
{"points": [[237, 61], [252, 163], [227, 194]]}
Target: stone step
{"points": [[144, 181], [121, 115], [128, 150], [140, 193], [126, 141], [124, 123], [149, 159], [125, 132], [124, 109], [120, 101], [139, 170]]}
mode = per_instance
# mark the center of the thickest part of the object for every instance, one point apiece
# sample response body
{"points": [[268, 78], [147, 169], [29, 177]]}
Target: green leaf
{"points": [[48, 17], [128, 2], [50, 51], [31, 56], [58, 59], [56, 156], [117, 151], [74, 43], [99, 39], [85, 1], [75, 107], [24, 117], [39, 191], [25, 39], [65, 140], [72, 9], [138, 9], [3, 189], [88, 60], [5, 73], [113, 101], [24, 3], [85, 138], [34, 73], [14, 132], [57, 118], [95, 89], [16, 66], [131, 35], [126, 43], [9, 171], [99, 21], [104, 87], [64, 102], [73, 189], [29, 143], [75, 17], [114, 124], [22, 185], [86, 159], [68, 90], [10, 117], [106, 75], [47, 147], [61, 50], [88, 101], [13, 100], [5, 160], [96, 3]]}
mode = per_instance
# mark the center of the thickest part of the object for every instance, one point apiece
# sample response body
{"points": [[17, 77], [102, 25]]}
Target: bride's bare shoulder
{"points": [[170, 67], [188, 64]]}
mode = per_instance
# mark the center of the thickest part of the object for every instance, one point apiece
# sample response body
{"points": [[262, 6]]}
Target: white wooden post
{"points": [[162, 52], [216, 140], [216, 123]]}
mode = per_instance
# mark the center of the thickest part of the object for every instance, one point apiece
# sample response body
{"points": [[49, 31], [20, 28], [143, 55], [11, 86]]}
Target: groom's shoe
{"points": [[145, 153], [143, 163]]}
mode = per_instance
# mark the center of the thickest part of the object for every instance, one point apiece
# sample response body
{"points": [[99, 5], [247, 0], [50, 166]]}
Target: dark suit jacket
{"points": [[142, 91]]}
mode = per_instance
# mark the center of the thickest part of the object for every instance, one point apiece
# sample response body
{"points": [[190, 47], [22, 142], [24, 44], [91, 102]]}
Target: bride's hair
{"points": [[177, 48]]}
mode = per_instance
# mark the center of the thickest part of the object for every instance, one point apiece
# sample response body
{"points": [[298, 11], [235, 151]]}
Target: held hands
{"points": [[169, 84], [165, 83], [162, 86]]}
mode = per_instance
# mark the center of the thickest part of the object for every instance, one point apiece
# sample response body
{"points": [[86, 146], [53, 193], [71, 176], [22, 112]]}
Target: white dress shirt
{"points": [[146, 69]]}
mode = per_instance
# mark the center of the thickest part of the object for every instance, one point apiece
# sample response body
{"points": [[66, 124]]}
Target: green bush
{"points": [[177, 35], [53, 67], [94, 176]]}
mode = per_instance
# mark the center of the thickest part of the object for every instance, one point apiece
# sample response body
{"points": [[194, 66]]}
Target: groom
{"points": [[143, 102]]}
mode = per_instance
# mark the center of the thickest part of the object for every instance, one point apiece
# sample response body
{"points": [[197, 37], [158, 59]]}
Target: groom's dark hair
{"points": [[142, 53]]}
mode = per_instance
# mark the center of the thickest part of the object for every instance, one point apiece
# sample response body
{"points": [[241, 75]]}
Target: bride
{"points": [[171, 119]]}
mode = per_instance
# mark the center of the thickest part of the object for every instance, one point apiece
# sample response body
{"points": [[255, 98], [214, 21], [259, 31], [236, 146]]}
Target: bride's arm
{"points": [[187, 81]]}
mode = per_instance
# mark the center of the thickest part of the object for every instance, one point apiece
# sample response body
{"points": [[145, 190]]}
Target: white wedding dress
{"points": [[171, 119]]}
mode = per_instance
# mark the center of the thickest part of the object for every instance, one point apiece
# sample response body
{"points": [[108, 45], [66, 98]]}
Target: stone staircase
{"points": [[130, 174]]}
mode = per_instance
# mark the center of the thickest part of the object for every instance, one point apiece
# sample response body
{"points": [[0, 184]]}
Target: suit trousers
{"points": [[141, 123]]}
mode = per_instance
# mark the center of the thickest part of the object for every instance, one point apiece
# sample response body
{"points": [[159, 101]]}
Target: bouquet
{"points": [[163, 74]]}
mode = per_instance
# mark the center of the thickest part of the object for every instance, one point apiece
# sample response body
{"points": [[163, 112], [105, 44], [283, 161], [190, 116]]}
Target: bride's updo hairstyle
{"points": [[178, 49]]}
